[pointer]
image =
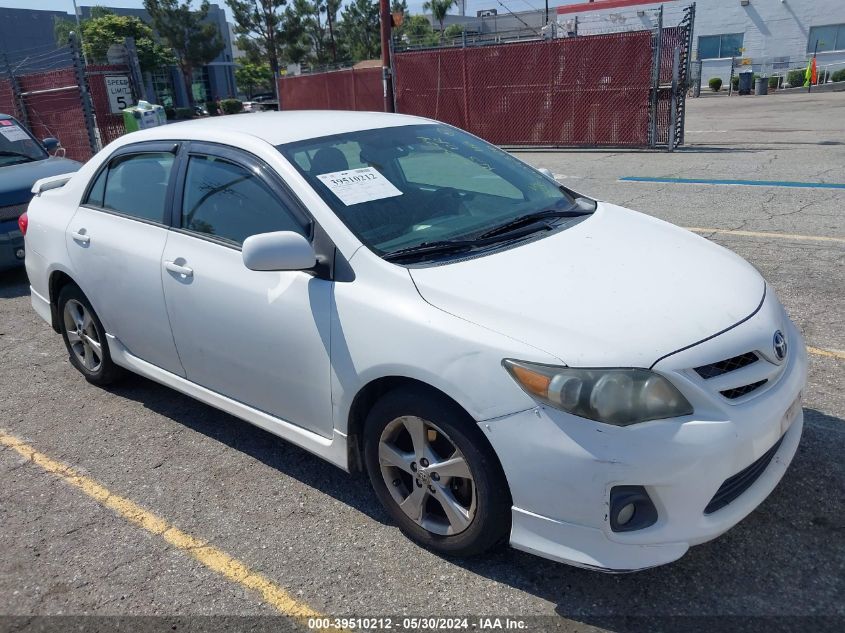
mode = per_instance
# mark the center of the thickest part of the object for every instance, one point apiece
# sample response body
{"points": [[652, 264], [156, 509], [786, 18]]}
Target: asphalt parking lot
{"points": [[318, 535]]}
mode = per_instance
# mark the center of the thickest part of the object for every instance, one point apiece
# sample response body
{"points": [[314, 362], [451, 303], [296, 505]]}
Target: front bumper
{"points": [[561, 470]]}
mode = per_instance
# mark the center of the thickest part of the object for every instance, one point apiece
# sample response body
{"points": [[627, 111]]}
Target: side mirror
{"points": [[281, 250], [548, 174], [51, 144]]}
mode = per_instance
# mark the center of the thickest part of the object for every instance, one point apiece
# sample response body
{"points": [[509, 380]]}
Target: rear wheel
{"points": [[435, 473], [85, 337]]}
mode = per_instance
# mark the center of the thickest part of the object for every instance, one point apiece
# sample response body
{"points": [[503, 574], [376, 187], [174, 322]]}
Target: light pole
{"points": [[79, 31], [387, 80]]}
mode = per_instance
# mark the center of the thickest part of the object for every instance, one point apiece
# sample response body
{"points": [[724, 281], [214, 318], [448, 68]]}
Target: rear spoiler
{"points": [[52, 182]]}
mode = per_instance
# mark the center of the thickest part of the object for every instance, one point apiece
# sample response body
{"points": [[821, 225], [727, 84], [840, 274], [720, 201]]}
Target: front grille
{"points": [[12, 212], [738, 392], [725, 366], [734, 486]]}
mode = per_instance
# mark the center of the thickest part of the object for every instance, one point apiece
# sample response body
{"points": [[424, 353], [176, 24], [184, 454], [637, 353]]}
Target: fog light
{"points": [[625, 514], [20, 253], [631, 509]]}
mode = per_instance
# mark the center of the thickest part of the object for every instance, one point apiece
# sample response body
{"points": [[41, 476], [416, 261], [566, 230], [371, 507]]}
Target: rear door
{"points": [[115, 241], [261, 338]]}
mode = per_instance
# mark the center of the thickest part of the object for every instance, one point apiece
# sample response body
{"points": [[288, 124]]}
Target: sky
{"points": [[415, 6]]}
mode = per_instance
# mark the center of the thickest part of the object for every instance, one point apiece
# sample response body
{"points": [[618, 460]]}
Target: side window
{"points": [[231, 202], [95, 195], [135, 185]]}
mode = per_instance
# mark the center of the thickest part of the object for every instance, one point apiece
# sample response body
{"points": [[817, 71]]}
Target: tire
{"points": [[482, 518], [82, 333]]}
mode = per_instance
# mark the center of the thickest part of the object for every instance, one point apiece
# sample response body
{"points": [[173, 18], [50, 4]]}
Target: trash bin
{"points": [[746, 78], [761, 87], [143, 116]]}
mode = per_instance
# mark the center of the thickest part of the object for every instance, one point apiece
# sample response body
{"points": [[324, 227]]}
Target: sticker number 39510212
{"points": [[353, 186]]}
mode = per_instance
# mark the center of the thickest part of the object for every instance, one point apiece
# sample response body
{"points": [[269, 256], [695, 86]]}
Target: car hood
{"points": [[619, 289], [16, 180]]}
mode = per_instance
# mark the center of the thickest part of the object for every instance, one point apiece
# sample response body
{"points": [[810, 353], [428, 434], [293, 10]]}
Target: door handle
{"points": [[81, 237], [180, 270]]}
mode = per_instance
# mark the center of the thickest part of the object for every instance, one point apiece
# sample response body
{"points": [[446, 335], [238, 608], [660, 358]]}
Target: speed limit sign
{"points": [[119, 91]]}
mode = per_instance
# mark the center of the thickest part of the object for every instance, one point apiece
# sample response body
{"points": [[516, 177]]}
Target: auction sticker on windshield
{"points": [[354, 186], [13, 133]]}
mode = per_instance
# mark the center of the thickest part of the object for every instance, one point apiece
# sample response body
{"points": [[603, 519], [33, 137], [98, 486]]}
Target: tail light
{"points": [[23, 223]]}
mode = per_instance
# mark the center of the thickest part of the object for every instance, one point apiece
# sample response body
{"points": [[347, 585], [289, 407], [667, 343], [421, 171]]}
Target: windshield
{"points": [[16, 144], [401, 187]]}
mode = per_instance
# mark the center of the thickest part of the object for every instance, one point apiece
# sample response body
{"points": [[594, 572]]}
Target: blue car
{"points": [[23, 160]]}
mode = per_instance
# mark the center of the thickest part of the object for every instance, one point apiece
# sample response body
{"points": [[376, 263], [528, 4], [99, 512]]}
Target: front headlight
{"points": [[612, 396]]}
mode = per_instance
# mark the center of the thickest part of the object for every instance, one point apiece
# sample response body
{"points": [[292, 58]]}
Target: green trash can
{"points": [[761, 86], [142, 116]]}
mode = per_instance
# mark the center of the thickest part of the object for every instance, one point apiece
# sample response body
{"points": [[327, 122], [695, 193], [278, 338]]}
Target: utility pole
{"points": [[84, 93], [386, 73], [79, 31], [135, 69], [546, 19]]}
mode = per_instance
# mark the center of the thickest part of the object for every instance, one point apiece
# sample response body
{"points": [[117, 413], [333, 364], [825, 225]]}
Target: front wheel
{"points": [[435, 473]]}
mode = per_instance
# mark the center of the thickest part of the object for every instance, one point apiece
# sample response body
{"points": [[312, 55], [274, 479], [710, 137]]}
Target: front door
{"points": [[261, 338]]}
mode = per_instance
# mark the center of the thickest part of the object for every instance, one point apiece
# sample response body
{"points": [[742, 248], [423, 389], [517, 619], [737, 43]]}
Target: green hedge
{"points": [[231, 106], [795, 78], [715, 84], [839, 75]]}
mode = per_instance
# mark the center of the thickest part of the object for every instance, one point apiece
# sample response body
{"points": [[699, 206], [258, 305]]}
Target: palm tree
{"points": [[439, 9]]}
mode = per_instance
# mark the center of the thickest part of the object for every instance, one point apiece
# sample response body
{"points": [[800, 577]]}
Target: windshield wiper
{"points": [[535, 218], [6, 152], [439, 247]]}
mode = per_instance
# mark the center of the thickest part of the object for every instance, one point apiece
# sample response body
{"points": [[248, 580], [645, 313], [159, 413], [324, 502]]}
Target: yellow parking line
{"points": [[216, 560], [830, 353], [781, 236]]}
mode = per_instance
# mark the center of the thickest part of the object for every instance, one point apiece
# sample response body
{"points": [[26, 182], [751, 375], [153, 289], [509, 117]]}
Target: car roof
{"points": [[280, 127]]}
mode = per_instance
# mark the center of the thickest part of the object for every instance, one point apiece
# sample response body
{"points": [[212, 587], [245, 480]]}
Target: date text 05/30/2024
{"points": [[418, 624]]}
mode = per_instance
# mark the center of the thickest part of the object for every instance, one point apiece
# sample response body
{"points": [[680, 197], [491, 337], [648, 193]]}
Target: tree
{"points": [[359, 29], [105, 28], [439, 9], [268, 30], [319, 18], [194, 41], [454, 30], [251, 76], [417, 31]]}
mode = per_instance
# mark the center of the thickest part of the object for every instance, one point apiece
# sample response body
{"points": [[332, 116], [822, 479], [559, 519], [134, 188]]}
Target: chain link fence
{"points": [[616, 81], [346, 89], [52, 92]]}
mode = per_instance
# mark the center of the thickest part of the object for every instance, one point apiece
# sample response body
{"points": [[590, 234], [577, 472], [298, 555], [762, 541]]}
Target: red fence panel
{"points": [[591, 90], [54, 108], [348, 89]]}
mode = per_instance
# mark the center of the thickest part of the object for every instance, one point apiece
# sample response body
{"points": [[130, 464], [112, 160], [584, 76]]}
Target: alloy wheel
{"points": [[427, 475], [82, 337]]}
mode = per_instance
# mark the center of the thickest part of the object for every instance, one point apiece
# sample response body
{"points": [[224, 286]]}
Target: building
{"points": [[766, 36], [215, 80], [28, 43]]}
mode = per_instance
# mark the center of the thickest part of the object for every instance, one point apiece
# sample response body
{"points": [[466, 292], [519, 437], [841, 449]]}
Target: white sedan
{"points": [[507, 359]]}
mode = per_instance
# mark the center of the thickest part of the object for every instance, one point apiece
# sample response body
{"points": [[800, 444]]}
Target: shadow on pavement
{"points": [[253, 441], [784, 559], [13, 283]]}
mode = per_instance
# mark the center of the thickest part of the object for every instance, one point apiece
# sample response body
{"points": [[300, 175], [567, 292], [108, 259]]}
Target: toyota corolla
{"points": [[509, 360]]}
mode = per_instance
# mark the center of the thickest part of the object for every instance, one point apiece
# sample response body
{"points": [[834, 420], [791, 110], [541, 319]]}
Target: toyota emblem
{"points": [[779, 343]]}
